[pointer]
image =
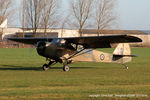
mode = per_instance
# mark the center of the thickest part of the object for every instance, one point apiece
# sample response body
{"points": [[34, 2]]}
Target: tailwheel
{"points": [[45, 67], [125, 66], [66, 68]]}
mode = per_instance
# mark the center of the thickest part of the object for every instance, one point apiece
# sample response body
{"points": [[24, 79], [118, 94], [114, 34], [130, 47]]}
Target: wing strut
{"points": [[83, 52], [75, 53]]}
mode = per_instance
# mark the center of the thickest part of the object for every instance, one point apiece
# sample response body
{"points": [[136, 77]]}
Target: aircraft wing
{"points": [[102, 41], [87, 42], [30, 40]]}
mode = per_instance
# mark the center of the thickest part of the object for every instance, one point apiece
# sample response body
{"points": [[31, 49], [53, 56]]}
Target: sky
{"points": [[134, 14], [131, 14]]}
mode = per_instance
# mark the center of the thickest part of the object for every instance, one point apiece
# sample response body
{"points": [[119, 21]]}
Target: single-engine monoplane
{"points": [[78, 49]]}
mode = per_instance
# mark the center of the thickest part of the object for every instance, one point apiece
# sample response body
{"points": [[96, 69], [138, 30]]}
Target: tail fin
{"points": [[122, 53], [122, 49]]}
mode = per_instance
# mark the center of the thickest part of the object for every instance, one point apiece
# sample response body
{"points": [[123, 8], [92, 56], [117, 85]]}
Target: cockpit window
{"points": [[63, 41], [59, 41]]}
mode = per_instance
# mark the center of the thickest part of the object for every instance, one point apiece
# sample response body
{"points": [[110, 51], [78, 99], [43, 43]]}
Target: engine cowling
{"points": [[53, 50], [41, 46]]}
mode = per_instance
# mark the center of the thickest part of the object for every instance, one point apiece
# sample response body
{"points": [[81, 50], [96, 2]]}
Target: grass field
{"points": [[21, 77]]}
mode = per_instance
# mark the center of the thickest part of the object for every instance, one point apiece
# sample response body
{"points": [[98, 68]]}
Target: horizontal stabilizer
{"points": [[125, 55]]}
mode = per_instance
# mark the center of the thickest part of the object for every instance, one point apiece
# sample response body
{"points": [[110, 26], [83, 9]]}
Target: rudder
{"points": [[122, 53], [122, 49]]}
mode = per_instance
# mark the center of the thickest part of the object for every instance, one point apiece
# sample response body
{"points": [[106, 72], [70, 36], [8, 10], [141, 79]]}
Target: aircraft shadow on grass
{"points": [[15, 67]]}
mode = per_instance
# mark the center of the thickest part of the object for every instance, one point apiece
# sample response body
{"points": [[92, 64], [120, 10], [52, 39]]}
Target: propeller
{"points": [[37, 45], [32, 49]]}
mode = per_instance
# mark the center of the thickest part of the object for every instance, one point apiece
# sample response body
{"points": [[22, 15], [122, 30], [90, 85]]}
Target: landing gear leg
{"points": [[45, 67], [125, 66]]}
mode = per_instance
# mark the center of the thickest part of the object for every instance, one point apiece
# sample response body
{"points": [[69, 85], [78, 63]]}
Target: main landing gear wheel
{"points": [[66, 68], [45, 67]]}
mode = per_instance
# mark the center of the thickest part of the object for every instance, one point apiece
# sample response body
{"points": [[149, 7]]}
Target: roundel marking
{"points": [[102, 57]]}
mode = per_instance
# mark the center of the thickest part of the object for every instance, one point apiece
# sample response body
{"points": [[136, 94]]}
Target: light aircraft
{"points": [[78, 49]]}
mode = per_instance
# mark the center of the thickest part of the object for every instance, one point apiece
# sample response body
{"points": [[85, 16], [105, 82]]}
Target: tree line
{"points": [[82, 14]]}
